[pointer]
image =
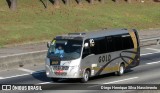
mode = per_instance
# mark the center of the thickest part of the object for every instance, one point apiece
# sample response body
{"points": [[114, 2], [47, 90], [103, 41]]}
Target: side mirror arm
{"points": [[48, 44]]}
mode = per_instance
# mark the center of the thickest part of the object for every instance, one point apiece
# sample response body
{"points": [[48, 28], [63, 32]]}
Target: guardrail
{"points": [[150, 41]]}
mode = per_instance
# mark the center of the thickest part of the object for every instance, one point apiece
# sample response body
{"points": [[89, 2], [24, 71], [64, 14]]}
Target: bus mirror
{"points": [[48, 44], [86, 45]]}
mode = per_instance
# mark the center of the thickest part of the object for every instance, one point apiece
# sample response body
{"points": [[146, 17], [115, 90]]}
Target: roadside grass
{"points": [[33, 23]]}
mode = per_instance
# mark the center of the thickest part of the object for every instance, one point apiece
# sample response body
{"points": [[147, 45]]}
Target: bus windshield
{"points": [[65, 49]]}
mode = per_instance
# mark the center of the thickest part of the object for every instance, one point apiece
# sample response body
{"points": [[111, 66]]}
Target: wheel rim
{"points": [[121, 70], [86, 76]]}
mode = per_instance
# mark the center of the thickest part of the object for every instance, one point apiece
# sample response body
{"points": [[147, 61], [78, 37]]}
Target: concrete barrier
{"points": [[23, 59]]}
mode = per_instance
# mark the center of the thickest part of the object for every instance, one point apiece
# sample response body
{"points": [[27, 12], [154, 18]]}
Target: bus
{"points": [[86, 54]]}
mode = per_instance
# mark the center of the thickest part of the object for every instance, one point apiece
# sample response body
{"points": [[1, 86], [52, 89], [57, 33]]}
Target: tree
{"points": [[102, 1], [116, 1], [45, 4], [79, 1], [67, 2], [13, 6], [129, 1], [56, 2], [91, 1]]}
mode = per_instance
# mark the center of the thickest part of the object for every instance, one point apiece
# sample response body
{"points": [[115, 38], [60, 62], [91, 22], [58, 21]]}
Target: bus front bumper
{"points": [[72, 72]]}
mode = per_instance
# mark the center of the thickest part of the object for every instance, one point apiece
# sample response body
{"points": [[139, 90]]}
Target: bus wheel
{"points": [[85, 77], [121, 70], [54, 79]]}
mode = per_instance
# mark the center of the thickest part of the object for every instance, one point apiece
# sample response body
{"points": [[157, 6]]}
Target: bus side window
{"points": [[110, 44], [99, 47], [86, 51], [118, 42], [95, 49], [127, 42]]}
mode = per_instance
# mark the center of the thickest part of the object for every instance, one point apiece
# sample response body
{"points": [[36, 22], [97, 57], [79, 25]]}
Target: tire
{"points": [[85, 77], [55, 79], [121, 70]]}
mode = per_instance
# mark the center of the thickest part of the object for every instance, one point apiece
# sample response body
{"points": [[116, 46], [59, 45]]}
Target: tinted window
{"points": [[118, 42], [102, 45], [110, 44], [99, 46], [127, 42], [94, 48]]}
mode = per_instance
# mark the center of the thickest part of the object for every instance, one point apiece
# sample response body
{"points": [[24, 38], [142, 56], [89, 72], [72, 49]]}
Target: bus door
{"points": [[99, 49], [89, 59]]}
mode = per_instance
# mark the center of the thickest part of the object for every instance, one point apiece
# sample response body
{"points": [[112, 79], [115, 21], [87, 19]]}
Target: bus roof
{"points": [[93, 34]]}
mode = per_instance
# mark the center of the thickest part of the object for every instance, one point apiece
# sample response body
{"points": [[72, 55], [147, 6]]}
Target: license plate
{"points": [[59, 71]]}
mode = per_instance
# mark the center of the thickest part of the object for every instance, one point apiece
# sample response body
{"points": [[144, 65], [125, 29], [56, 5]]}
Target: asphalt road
{"points": [[148, 72]]}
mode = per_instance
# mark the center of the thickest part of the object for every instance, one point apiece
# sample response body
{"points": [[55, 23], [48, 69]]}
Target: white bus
{"points": [[87, 54]]}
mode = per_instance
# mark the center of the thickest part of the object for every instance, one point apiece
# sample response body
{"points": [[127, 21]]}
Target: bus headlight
{"points": [[48, 70], [47, 73]]}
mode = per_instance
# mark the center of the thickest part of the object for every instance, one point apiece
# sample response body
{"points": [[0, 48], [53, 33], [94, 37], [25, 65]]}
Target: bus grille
{"points": [[60, 67]]}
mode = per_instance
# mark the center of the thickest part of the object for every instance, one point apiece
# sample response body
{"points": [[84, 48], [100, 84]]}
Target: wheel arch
{"points": [[87, 69]]}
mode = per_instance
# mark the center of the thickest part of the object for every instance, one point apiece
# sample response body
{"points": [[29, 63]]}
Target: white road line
{"points": [[1, 77], [26, 70], [14, 76], [121, 80], [116, 81], [154, 49], [21, 75], [36, 72], [153, 62], [157, 51], [23, 53], [45, 83], [148, 53]]}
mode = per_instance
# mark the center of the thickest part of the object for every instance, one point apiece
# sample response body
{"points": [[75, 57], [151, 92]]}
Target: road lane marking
{"points": [[154, 49], [149, 53], [1, 77], [153, 62], [14, 76], [121, 80], [45, 83], [26, 70], [116, 81], [23, 53], [37, 72], [158, 51]]}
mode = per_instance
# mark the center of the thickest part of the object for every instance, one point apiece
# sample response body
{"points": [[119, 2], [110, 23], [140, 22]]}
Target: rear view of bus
{"points": [[84, 55]]}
